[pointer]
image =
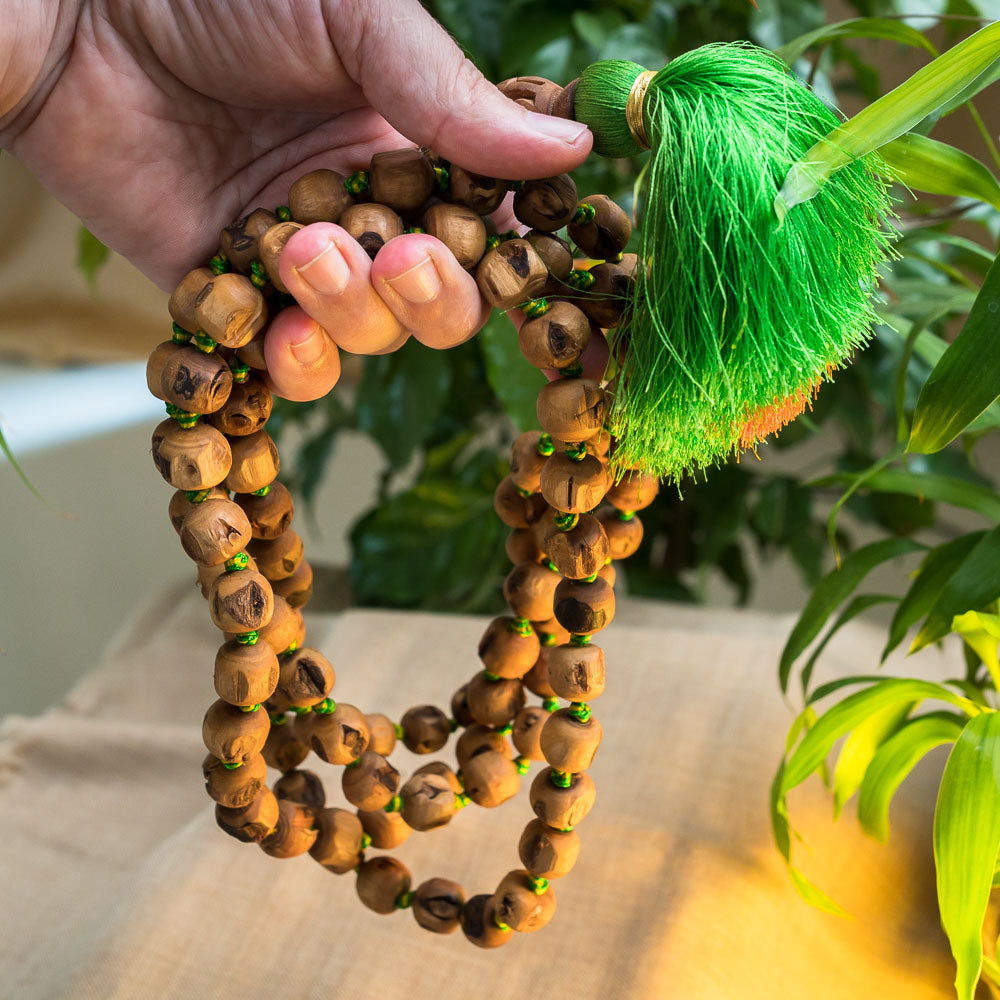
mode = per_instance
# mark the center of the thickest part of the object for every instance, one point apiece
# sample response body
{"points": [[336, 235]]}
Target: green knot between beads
{"points": [[240, 369], [536, 308], [499, 923], [239, 561], [550, 704], [538, 885], [398, 730], [580, 711], [184, 418], [219, 263], [561, 779], [548, 638], [204, 342], [589, 579], [565, 521], [517, 186], [231, 766], [504, 730], [550, 565], [284, 213], [521, 492], [249, 708], [278, 719], [443, 178], [574, 370], [393, 805], [413, 229], [584, 213], [179, 335], [461, 800], [509, 234], [545, 445], [248, 638], [405, 901], [492, 242], [490, 676], [523, 764], [197, 496], [301, 709], [577, 452], [579, 640], [366, 840], [580, 280], [326, 707], [258, 276], [290, 648], [521, 626], [626, 515], [452, 725], [262, 492], [357, 183]]}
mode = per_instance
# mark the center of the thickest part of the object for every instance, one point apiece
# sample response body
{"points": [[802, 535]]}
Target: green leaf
{"points": [[857, 27], [967, 378], [91, 255], [981, 633], [966, 839], [16, 466], [935, 167], [515, 382], [894, 760], [832, 590]]}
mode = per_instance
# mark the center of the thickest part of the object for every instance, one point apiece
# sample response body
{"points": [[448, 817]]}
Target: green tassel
{"points": [[735, 321]]}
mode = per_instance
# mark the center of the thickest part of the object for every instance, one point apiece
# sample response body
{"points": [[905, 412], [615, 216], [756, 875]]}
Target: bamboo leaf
{"points": [[91, 255], [981, 633], [856, 27], [514, 380], [966, 838]]}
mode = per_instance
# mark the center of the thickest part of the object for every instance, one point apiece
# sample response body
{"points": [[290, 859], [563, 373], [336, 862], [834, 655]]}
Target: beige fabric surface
{"points": [[117, 883]]}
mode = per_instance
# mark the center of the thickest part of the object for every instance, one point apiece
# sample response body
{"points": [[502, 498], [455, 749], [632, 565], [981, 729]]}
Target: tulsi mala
{"points": [[682, 398]]}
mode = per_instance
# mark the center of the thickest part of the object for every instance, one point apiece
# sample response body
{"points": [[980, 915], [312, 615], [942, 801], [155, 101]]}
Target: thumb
{"points": [[417, 78]]}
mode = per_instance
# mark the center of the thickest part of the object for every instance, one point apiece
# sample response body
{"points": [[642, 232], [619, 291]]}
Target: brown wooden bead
{"points": [[576, 673], [252, 353], [573, 486], [437, 905], [232, 735], [513, 508], [572, 409], [239, 242], [269, 248], [505, 651], [557, 338], [578, 552], [460, 706], [611, 293], [527, 729], [194, 381], [537, 91], [607, 234], [442, 770], [536, 680], [269, 515], [195, 458], [230, 309], [522, 546], [284, 750], [511, 274], [234, 787], [297, 588], [285, 628], [154, 366], [185, 297], [293, 834], [179, 506], [428, 801], [425, 729], [342, 736], [381, 881], [519, 906], [569, 744], [562, 808], [403, 179], [556, 254], [307, 677], [372, 225], [387, 830], [482, 194], [634, 491], [479, 739], [584, 608], [319, 196], [255, 463], [250, 823], [244, 674], [214, 531], [382, 733], [207, 575], [370, 783], [303, 787], [338, 840], [490, 779], [246, 410], [624, 534], [546, 204], [526, 462], [548, 853], [460, 229], [479, 925], [494, 703], [551, 633], [241, 602], [528, 589], [608, 573]]}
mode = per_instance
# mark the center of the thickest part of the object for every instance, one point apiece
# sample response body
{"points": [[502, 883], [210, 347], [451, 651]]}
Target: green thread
{"points": [[538, 885], [361, 861], [551, 704], [326, 707], [499, 923], [204, 342], [523, 764], [258, 276], [588, 579], [249, 708], [443, 178], [399, 730], [284, 213], [580, 711], [232, 765], [366, 841], [492, 242], [278, 719], [239, 561], [523, 492], [577, 639], [626, 515], [491, 677], [248, 638], [240, 369], [585, 213], [504, 730], [548, 638], [301, 709], [393, 805], [565, 521], [509, 234], [517, 186], [536, 308], [574, 370], [522, 626], [405, 900], [219, 263], [290, 648], [577, 452], [357, 183], [178, 334], [545, 445], [549, 564], [561, 779], [186, 419], [461, 800], [452, 725], [197, 496], [353, 763], [413, 229], [580, 280], [262, 492], [618, 258]]}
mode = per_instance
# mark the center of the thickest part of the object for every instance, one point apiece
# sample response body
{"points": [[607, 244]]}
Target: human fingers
{"points": [[302, 361]]}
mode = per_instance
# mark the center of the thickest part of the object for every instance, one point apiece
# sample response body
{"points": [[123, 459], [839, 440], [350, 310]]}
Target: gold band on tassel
{"points": [[634, 116]]}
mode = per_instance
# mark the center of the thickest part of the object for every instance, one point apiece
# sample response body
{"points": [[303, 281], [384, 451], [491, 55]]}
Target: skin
{"points": [[160, 122]]}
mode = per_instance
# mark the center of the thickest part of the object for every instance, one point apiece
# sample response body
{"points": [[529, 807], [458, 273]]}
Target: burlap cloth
{"points": [[117, 883]]}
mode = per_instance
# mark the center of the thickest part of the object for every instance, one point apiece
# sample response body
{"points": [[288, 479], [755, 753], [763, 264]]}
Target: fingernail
{"points": [[420, 284], [310, 349], [556, 128], [327, 273]]}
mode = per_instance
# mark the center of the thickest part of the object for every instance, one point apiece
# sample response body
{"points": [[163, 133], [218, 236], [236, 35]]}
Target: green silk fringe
{"points": [[735, 322]]}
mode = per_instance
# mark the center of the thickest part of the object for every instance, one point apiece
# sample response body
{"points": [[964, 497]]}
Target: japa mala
{"points": [[721, 329]]}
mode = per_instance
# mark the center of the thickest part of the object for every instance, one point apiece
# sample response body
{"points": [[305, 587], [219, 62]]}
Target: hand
{"points": [[159, 123]]}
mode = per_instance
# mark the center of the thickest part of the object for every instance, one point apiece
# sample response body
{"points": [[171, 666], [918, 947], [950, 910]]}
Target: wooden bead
{"points": [[255, 463], [372, 225], [576, 673], [293, 834], [269, 515], [425, 729], [572, 409], [634, 491], [607, 234], [387, 830], [556, 254], [478, 739], [521, 546], [437, 905], [232, 735], [319, 196], [284, 750], [214, 531], [573, 486], [460, 706], [403, 179], [207, 575], [527, 728], [528, 589], [234, 787], [479, 925], [154, 366], [442, 770], [490, 779], [382, 733], [569, 744], [303, 787], [179, 506], [428, 801], [241, 602], [536, 680], [584, 608], [338, 840], [194, 381], [306, 677], [546, 204], [370, 783], [245, 675], [195, 458], [297, 588], [505, 651], [608, 573], [285, 627], [269, 248], [185, 296], [250, 823], [482, 194], [516, 510], [526, 462], [624, 535], [230, 309], [578, 552], [342, 736], [611, 293], [511, 274], [252, 353], [246, 410], [558, 807], [538, 91], [494, 703], [381, 881], [557, 338], [548, 853], [239, 242], [519, 906], [459, 228]]}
